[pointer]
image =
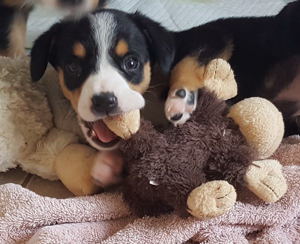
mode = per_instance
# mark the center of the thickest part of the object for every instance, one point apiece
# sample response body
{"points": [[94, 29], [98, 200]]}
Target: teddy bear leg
{"points": [[187, 77], [266, 180], [211, 199]]}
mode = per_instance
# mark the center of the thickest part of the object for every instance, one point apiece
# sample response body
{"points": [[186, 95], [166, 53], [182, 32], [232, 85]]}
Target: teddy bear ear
{"points": [[219, 78], [43, 52]]}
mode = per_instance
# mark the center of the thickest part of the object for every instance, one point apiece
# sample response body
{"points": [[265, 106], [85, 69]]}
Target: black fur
{"points": [[262, 46], [159, 40]]}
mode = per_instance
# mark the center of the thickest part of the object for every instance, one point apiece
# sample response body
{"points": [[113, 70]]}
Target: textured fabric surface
{"points": [[104, 218], [173, 14]]}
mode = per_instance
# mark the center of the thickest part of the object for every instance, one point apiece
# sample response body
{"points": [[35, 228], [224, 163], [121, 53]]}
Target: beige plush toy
{"points": [[39, 130], [194, 168]]}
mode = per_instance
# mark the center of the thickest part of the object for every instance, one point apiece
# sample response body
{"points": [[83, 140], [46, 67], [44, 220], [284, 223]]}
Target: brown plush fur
{"points": [[208, 147]]}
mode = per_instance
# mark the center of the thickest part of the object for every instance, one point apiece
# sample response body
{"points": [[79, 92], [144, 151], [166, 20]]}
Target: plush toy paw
{"points": [[180, 104], [107, 168], [211, 199], [219, 78], [265, 179]]}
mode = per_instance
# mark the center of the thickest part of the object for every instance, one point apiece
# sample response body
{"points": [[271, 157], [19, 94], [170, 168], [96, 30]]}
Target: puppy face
{"points": [[103, 63]]}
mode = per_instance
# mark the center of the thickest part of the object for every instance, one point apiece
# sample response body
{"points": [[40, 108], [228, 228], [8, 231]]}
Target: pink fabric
{"points": [[28, 218]]}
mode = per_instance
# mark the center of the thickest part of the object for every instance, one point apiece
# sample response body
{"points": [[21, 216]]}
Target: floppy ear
{"points": [[42, 53], [160, 41]]}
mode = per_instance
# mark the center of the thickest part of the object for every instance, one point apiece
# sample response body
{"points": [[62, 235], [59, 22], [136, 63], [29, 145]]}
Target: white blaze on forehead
{"points": [[103, 25], [107, 77]]}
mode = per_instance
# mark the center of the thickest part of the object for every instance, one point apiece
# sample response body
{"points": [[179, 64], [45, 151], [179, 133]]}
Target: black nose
{"points": [[104, 102]]}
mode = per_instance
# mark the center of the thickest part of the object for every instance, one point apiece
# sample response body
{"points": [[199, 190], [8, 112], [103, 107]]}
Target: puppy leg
{"points": [[186, 79], [107, 168]]}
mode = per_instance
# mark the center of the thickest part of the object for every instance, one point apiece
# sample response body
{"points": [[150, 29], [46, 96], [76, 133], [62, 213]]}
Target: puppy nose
{"points": [[104, 102]]}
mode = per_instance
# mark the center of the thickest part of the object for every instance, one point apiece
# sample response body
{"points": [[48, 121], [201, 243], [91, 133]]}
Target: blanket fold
{"points": [[26, 217]]}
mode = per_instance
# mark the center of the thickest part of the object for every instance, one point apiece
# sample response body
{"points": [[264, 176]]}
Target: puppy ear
{"points": [[160, 41], [42, 53]]}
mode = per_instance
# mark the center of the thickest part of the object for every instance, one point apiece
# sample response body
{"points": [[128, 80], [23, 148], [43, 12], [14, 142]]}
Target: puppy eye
{"points": [[131, 63], [73, 69]]}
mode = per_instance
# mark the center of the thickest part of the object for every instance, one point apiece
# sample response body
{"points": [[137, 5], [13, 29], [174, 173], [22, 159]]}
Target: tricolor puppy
{"points": [[104, 65], [14, 15]]}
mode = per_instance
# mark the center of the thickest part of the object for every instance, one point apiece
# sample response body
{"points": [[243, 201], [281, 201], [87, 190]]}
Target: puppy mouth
{"points": [[100, 134]]}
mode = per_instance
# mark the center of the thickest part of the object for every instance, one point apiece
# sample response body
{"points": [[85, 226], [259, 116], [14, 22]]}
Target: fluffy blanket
{"points": [[29, 218]]}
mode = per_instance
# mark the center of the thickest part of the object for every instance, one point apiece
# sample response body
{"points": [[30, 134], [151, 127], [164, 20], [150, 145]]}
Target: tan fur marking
{"points": [[121, 48], [143, 86], [79, 50], [72, 96], [188, 73], [17, 37]]}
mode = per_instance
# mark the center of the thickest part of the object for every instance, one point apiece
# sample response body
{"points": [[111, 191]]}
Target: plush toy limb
{"points": [[211, 199], [41, 159], [265, 179], [73, 167], [217, 76], [261, 123]]}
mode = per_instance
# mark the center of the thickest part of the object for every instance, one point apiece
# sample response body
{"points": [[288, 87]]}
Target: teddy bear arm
{"points": [[41, 159]]}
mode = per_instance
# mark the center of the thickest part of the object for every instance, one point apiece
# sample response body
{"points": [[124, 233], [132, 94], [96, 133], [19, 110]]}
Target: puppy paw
{"points": [[265, 179], [107, 169], [180, 105], [211, 199]]}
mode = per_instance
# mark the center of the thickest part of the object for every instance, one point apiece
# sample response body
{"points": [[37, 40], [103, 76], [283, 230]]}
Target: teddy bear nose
{"points": [[104, 102]]}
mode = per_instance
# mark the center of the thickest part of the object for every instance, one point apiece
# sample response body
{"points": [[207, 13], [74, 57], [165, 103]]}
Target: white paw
{"points": [[180, 104], [107, 169]]}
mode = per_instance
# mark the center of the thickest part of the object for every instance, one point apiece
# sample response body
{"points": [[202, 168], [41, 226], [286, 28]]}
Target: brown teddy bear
{"points": [[196, 167]]}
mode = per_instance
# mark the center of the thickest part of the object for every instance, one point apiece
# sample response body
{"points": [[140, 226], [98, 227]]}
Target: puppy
{"points": [[263, 52], [14, 15], [104, 63]]}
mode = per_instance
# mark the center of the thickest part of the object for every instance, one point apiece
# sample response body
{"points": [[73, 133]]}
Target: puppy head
{"points": [[103, 62]]}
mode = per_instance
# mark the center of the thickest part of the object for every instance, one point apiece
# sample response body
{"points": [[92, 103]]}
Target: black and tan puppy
{"points": [[264, 53], [14, 15], [104, 62]]}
